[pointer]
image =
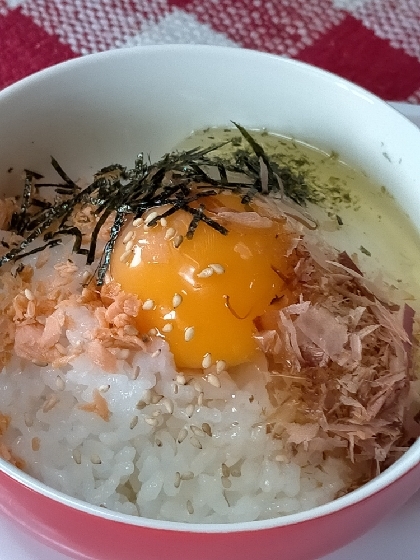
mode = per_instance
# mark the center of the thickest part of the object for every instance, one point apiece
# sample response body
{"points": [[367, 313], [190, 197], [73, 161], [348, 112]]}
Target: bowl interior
{"points": [[107, 108]]}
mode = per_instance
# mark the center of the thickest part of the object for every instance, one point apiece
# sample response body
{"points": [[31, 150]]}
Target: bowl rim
{"points": [[399, 469]]}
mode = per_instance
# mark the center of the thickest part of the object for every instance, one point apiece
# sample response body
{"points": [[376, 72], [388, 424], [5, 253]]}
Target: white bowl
{"points": [[108, 107]]}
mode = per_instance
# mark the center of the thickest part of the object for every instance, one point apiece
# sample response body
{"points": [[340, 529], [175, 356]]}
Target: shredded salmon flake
{"points": [[99, 406]]}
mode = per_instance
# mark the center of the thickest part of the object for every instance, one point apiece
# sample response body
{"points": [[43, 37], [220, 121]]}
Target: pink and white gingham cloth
{"points": [[375, 43]]}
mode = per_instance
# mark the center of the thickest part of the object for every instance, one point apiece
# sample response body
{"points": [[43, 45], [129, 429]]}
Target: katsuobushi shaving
{"points": [[111, 393]]}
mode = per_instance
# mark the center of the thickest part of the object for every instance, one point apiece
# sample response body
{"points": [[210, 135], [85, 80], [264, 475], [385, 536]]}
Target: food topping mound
{"points": [[180, 341]]}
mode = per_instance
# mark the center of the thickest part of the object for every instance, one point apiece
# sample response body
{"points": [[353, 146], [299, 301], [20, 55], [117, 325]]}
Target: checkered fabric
{"points": [[375, 43]]}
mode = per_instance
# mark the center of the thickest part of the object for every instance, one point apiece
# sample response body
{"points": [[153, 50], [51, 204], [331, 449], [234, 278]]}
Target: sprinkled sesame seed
{"points": [[225, 470], [125, 256], [178, 240], [135, 373], [39, 363], [152, 332], [235, 472], [167, 327], [226, 483], [189, 410], [207, 360], [137, 222], [190, 507], [156, 353], [136, 260], [95, 459], [177, 479], [140, 405], [85, 276], [176, 300], [180, 379], [206, 429], [35, 444], [128, 236], [213, 380], [200, 399], [182, 435], [50, 403], [195, 442], [156, 398], [163, 222], [205, 273], [169, 233], [60, 383], [29, 295], [28, 420], [147, 396], [168, 404], [129, 245], [196, 385], [189, 475], [197, 431], [218, 268], [189, 334], [151, 421], [134, 422], [220, 366], [77, 456], [148, 304], [150, 218]]}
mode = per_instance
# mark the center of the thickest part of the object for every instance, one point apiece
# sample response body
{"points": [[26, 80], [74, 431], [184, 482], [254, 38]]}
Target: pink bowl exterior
{"points": [[85, 536]]}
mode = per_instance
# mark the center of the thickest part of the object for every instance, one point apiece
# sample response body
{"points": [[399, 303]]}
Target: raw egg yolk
{"points": [[203, 295]]}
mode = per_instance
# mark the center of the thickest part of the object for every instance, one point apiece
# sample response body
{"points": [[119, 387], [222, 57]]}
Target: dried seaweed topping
{"points": [[178, 180]]}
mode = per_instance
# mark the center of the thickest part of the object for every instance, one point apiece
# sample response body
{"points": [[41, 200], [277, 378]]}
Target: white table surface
{"points": [[396, 537]]}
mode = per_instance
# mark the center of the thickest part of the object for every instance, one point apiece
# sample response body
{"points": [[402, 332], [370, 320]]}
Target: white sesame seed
{"points": [[178, 240], [152, 332], [129, 245], [207, 360], [148, 305], [189, 475], [197, 431], [180, 379], [169, 233], [195, 442], [156, 398], [35, 444], [205, 273], [77, 456], [137, 222], [190, 507], [85, 276], [220, 366], [163, 222], [151, 421], [29, 295], [177, 479], [200, 399], [156, 353], [189, 410], [189, 334], [196, 385], [235, 472], [182, 435], [225, 470], [134, 422], [104, 388], [140, 405], [50, 403], [147, 396], [218, 268], [206, 429], [136, 260], [167, 328], [213, 380], [150, 218], [60, 383], [168, 404], [176, 300], [128, 236], [125, 256], [28, 420], [95, 459], [39, 363], [135, 373]]}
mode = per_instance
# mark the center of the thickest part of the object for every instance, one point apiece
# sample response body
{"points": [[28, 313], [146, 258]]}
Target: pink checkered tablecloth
{"points": [[375, 43]]}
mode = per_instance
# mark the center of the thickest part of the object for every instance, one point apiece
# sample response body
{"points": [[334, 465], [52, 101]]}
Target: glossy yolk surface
{"points": [[204, 295]]}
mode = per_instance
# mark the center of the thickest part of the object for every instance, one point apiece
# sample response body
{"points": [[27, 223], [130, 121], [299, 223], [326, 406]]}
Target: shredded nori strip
{"points": [[175, 181]]}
